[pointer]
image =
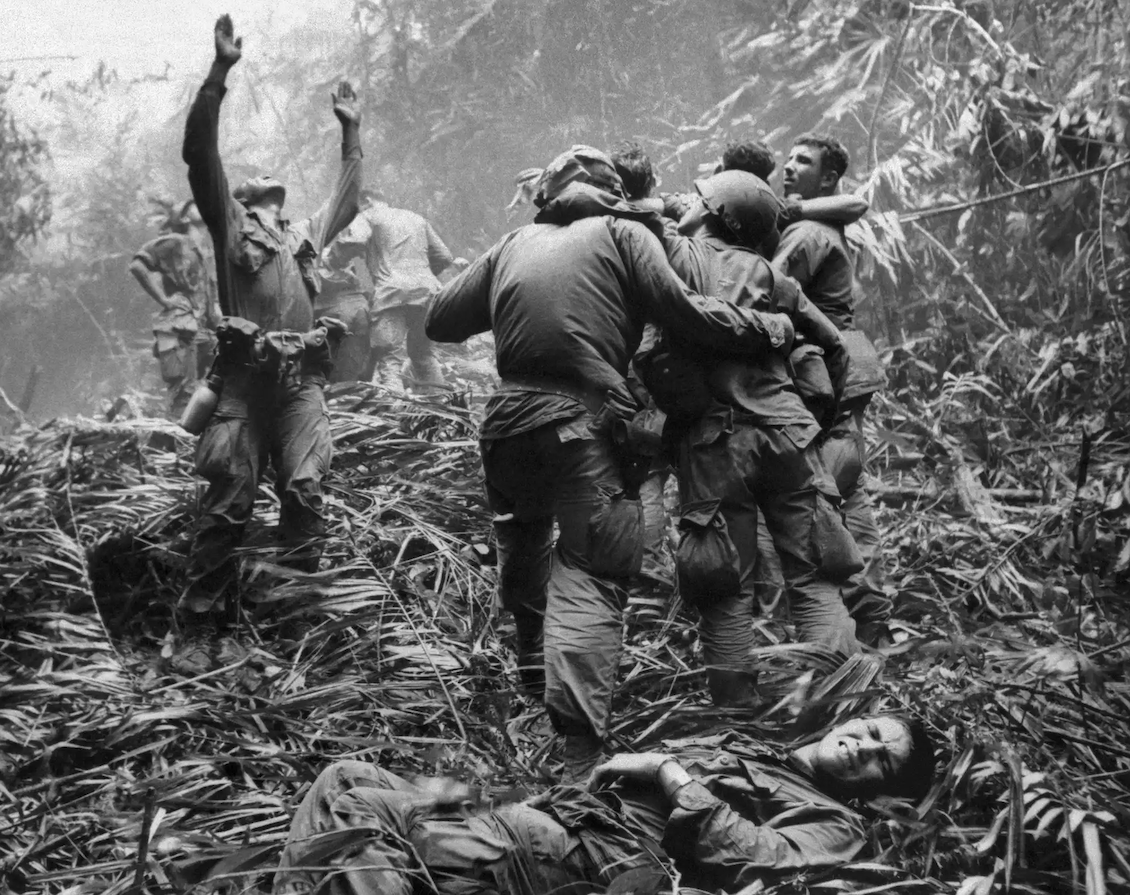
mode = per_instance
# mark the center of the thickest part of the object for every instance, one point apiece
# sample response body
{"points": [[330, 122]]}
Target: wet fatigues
{"points": [[745, 817], [185, 342], [816, 255], [343, 297], [267, 277], [567, 298], [753, 451], [405, 257]]}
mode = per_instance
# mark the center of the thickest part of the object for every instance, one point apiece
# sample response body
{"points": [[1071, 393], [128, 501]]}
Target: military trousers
{"points": [[397, 333], [259, 421], [732, 470], [362, 830], [844, 453], [570, 595]]}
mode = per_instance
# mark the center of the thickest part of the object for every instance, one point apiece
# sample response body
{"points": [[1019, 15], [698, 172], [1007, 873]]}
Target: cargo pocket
{"points": [[835, 550], [615, 538], [706, 560]]}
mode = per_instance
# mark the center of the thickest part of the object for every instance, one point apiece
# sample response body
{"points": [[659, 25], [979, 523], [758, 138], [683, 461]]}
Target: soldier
{"points": [[272, 364], [343, 297], [747, 445], [405, 257], [177, 271], [816, 255], [567, 298], [720, 814]]}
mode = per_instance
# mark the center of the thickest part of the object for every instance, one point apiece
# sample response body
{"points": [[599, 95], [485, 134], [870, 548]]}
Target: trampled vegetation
{"points": [[128, 763]]}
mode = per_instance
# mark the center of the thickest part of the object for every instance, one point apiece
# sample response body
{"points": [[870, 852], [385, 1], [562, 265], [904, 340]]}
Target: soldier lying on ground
{"points": [[723, 812]]}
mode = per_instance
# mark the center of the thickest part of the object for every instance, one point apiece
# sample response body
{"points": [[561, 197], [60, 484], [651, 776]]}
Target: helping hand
{"points": [[229, 49], [345, 103]]}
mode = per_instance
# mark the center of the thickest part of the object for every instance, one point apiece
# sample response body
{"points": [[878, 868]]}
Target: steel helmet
{"points": [[581, 164], [743, 202]]}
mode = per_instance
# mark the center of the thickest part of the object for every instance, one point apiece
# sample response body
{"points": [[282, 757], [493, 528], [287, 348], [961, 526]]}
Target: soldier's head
{"points": [[634, 168], [736, 206], [751, 156], [581, 164], [814, 167], [264, 193], [370, 197], [883, 755]]}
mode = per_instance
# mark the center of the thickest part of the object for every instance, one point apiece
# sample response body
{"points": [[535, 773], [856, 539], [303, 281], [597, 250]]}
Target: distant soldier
{"points": [[344, 297], [177, 270], [405, 257], [272, 358], [816, 255]]}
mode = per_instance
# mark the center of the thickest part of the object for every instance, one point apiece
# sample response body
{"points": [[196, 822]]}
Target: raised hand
{"points": [[346, 107], [229, 48]]}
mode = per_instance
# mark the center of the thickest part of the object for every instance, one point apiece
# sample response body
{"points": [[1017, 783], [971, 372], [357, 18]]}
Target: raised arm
{"points": [[342, 207], [202, 154], [697, 321]]}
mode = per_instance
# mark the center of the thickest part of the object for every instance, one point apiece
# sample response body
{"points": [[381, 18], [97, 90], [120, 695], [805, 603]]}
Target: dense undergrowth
{"points": [[128, 763]]}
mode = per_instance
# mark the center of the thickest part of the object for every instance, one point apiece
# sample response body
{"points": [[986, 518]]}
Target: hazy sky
{"points": [[137, 37]]}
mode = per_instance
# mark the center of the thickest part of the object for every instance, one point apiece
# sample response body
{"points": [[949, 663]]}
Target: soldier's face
{"points": [[863, 753], [802, 173]]}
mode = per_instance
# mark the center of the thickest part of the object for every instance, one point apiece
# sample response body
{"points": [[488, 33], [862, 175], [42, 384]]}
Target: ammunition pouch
{"points": [[706, 561], [238, 343]]}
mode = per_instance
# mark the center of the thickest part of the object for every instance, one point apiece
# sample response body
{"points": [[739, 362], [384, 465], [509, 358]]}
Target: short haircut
{"points": [[916, 776], [755, 158], [634, 168], [833, 156]]}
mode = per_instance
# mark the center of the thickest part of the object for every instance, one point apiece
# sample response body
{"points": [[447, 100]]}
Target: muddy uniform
{"points": [[343, 297], [567, 298], [746, 817], [405, 256], [277, 412], [184, 342], [754, 451], [816, 255]]}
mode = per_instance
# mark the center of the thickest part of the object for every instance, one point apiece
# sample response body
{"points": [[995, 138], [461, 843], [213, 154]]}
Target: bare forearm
{"points": [[672, 777], [150, 282]]}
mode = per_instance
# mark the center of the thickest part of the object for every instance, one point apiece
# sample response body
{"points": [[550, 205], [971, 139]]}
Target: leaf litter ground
{"points": [[129, 762]]}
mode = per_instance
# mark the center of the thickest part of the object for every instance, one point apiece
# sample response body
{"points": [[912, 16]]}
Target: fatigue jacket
{"points": [[405, 255], [266, 275], [567, 298], [746, 816], [816, 255], [759, 384]]}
